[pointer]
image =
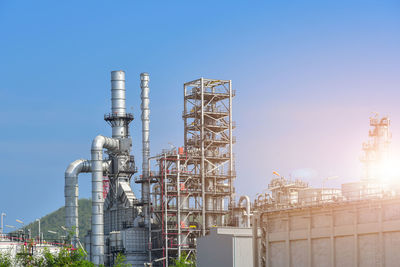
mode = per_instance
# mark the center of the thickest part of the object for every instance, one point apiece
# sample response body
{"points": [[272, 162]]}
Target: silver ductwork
{"points": [[120, 166], [144, 85], [71, 193], [247, 199], [97, 235]]}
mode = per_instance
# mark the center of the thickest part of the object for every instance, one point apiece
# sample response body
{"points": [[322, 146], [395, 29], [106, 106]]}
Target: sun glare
{"points": [[389, 171]]}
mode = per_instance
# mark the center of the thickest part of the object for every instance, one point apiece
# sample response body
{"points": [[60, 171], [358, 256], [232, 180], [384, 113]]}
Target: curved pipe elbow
{"points": [[100, 142], [76, 167], [247, 199], [83, 166], [244, 198], [71, 193]]}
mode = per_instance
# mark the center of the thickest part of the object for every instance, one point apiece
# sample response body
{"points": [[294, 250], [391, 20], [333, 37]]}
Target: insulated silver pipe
{"points": [[247, 199], [118, 103], [71, 193], [97, 236], [144, 85]]}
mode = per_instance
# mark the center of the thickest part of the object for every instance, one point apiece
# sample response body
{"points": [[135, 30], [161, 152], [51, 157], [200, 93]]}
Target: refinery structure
{"points": [[356, 225], [187, 206], [189, 190]]}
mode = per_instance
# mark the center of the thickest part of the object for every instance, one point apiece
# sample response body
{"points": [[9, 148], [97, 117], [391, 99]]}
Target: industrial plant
{"points": [[189, 190], [357, 225], [187, 206]]}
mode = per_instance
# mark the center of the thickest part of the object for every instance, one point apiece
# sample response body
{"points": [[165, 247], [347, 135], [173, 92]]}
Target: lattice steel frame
{"points": [[209, 140], [190, 187]]}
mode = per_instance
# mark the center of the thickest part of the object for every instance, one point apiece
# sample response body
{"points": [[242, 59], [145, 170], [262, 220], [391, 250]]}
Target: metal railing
{"points": [[316, 197]]}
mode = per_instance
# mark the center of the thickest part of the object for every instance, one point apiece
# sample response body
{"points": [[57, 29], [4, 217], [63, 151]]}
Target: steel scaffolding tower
{"points": [[193, 189], [208, 139], [176, 208]]}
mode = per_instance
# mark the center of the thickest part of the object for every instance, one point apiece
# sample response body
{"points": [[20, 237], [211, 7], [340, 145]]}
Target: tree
{"points": [[5, 260], [184, 261], [120, 261], [66, 256]]}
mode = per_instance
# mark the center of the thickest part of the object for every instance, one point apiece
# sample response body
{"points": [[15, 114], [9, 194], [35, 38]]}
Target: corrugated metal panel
{"points": [[136, 259], [134, 239]]}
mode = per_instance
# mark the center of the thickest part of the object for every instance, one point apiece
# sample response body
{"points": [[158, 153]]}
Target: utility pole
{"points": [[38, 220]]}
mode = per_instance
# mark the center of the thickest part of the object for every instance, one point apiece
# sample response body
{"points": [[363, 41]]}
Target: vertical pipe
{"points": [[232, 196], [210, 187], [203, 193], [179, 205], [166, 209], [150, 245], [247, 199], [38, 220], [184, 116], [144, 85], [71, 192], [97, 236]]}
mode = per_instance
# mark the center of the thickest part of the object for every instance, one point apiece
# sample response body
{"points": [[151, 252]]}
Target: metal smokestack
{"points": [[118, 106], [118, 92], [144, 85]]}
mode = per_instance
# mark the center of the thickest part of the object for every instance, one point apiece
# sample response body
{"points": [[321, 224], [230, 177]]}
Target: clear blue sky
{"points": [[308, 74]]}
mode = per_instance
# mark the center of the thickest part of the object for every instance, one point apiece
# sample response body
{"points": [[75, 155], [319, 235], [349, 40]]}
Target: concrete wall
{"points": [[365, 233], [226, 247]]}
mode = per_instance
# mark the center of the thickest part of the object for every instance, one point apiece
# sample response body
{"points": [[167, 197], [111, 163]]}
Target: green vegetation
{"points": [[5, 260], [184, 261], [65, 257], [56, 219], [120, 261]]}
